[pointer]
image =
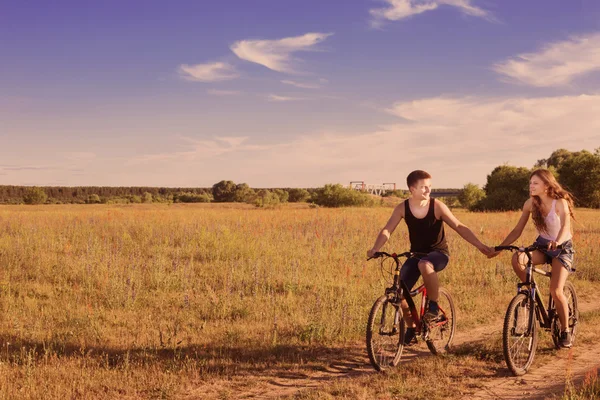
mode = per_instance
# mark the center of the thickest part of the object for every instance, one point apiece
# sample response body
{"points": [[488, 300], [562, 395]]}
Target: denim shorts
{"points": [[565, 255], [410, 273]]}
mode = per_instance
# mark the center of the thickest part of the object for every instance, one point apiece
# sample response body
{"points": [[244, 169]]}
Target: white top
{"points": [[552, 221]]}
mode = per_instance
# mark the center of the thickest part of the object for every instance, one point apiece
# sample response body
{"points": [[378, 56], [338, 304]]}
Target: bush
{"points": [[298, 195], [340, 196], [243, 193], [283, 195], [93, 199], [266, 199], [470, 196], [192, 198], [147, 197], [35, 195]]}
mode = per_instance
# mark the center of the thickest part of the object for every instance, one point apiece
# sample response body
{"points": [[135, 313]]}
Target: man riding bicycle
{"points": [[424, 217]]}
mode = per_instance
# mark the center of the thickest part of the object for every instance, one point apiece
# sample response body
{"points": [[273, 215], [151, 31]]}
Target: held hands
{"points": [[552, 245], [486, 250]]}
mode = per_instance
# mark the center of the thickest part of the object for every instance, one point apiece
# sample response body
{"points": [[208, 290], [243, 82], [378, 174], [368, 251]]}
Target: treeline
{"points": [[507, 186], [98, 194], [223, 191]]}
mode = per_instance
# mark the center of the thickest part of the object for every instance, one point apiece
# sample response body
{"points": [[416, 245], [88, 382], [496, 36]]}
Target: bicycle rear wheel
{"points": [[571, 296], [385, 334], [439, 334], [519, 343]]}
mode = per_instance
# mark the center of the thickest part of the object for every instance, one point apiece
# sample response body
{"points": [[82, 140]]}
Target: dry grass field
{"points": [[196, 301]]}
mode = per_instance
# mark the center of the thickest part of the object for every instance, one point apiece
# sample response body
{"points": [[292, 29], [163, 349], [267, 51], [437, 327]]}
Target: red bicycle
{"points": [[386, 327]]}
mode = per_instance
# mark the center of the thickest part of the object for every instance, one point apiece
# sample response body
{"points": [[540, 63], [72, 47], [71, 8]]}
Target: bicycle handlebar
{"points": [[395, 256], [527, 249]]}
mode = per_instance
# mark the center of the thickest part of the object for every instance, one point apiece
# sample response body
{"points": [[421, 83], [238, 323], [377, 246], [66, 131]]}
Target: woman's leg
{"points": [[557, 284], [519, 262]]}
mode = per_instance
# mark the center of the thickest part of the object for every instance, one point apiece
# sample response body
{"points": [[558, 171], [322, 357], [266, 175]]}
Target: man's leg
{"points": [[409, 273], [430, 279], [429, 266]]}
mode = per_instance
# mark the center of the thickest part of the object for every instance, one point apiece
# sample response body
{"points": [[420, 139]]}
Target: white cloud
{"points": [[401, 9], [216, 92], [556, 64], [211, 72], [277, 98], [458, 140], [301, 84], [277, 54]]}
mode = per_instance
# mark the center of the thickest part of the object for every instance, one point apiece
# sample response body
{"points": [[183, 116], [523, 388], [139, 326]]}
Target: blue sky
{"points": [[292, 93]]}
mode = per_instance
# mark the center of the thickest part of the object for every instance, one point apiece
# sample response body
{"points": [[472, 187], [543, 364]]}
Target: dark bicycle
{"points": [[520, 332], [386, 327]]}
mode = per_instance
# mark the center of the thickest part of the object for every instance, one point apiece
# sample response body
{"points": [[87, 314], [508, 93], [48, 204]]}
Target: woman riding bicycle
{"points": [[551, 208], [425, 219]]}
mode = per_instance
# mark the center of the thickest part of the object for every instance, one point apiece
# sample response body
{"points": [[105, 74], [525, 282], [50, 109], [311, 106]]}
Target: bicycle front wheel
{"points": [[519, 342], [385, 334], [439, 333]]}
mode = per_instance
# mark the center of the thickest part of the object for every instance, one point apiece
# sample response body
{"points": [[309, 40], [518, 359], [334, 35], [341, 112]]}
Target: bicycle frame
{"points": [[399, 288], [543, 315]]}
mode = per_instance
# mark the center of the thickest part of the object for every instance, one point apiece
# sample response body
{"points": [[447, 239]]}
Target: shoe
{"points": [[565, 341], [410, 336], [433, 313]]}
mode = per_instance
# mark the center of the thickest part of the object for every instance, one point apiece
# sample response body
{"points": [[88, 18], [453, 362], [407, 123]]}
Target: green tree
{"points": [[35, 195], [93, 199], [298, 195], [224, 191], [147, 197], [340, 196], [266, 199], [507, 188], [470, 196], [243, 193], [283, 195], [580, 175]]}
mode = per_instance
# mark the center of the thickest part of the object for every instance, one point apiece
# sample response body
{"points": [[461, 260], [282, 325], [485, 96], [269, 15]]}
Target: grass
{"points": [[154, 301]]}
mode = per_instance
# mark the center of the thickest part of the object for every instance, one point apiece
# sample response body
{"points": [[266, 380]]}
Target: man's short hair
{"points": [[414, 176]]}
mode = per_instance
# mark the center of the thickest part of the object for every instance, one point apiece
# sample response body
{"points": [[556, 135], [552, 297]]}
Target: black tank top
{"points": [[426, 234]]}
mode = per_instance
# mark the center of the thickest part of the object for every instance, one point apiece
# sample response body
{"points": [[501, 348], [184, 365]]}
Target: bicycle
{"points": [[520, 332], [386, 327]]}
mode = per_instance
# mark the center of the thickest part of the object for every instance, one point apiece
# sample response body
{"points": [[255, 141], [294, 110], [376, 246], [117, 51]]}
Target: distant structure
{"points": [[380, 189], [376, 189]]}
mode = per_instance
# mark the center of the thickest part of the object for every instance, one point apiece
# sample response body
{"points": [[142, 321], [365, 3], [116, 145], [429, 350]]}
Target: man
{"points": [[425, 219]]}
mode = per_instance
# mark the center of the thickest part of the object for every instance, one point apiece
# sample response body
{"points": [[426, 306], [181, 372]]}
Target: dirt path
{"points": [[549, 380], [541, 382]]}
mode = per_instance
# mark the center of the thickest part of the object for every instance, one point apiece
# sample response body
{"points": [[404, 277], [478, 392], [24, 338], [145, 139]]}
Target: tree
{"points": [[507, 188], [147, 197], [35, 195], [265, 198], [224, 191], [243, 192], [470, 196], [580, 175], [340, 196], [283, 195], [298, 195], [93, 199]]}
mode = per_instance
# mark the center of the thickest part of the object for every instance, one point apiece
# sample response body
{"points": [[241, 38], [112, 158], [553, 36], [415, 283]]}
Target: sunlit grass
{"points": [[148, 300]]}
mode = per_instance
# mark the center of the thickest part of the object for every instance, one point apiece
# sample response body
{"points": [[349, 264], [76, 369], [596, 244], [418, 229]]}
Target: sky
{"points": [[292, 93]]}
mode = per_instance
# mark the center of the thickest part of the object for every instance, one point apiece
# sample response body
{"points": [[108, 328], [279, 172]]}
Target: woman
{"points": [[551, 208]]}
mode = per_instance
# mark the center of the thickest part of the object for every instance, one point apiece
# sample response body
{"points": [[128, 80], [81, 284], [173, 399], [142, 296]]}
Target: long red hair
{"points": [[555, 191]]}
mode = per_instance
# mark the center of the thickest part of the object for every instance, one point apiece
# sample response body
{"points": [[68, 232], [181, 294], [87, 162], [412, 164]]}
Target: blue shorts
{"points": [[565, 256], [410, 273]]}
